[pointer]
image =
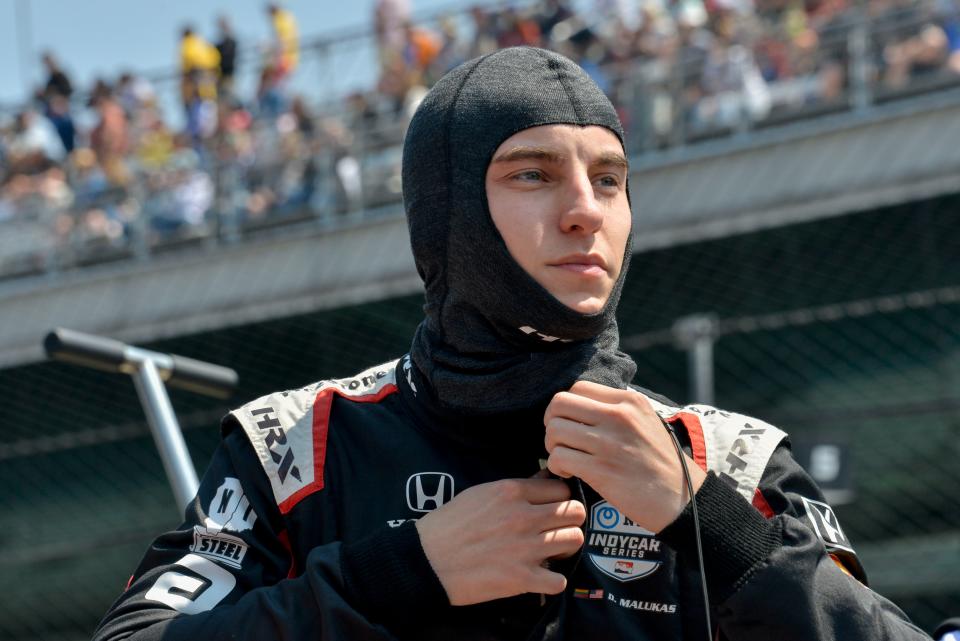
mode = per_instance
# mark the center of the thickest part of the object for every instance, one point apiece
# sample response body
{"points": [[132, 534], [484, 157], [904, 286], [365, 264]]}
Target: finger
{"points": [[539, 491], [544, 581], [577, 436], [611, 395], [561, 543], [574, 407], [566, 462], [551, 516], [598, 392]]}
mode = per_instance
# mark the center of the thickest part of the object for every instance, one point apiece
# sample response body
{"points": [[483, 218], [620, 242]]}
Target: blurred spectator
{"points": [[826, 47], [28, 206], [589, 51], [733, 89], [232, 141], [134, 93], [35, 195], [287, 40], [613, 14], [920, 54], [553, 13], [196, 54], [58, 83], [102, 211], [154, 142], [361, 114], [304, 119], [389, 18], [57, 110], [179, 198], [271, 99], [227, 48], [33, 145], [281, 60], [913, 44], [392, 88], [651, 40], [199, 62], [349, 183], [421, 47], [485, 32], [516, 30], [109, 139], [56, 101], [295, 183], [451, 51]]}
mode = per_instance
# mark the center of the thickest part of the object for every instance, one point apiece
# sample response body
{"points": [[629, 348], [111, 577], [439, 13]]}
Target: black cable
{"points": [[696, 527]]}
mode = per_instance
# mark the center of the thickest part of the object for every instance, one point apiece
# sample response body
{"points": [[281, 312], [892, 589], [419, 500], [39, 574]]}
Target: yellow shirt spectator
{"points": [[285, 28], [197, 54]]}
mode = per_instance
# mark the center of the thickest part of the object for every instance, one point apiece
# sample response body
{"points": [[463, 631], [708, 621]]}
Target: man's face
{"points": [[558, 196]]}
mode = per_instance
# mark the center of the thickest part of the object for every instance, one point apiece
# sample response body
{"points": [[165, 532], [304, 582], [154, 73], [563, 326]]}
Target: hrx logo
{"points": [[427, 491], [276, 442]]}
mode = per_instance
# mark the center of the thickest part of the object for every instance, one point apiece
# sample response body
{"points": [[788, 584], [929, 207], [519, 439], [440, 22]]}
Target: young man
{"points": [[408, 502]]}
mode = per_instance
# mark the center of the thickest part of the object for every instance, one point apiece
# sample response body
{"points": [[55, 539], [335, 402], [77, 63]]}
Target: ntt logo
{"points": [[608, 517]]}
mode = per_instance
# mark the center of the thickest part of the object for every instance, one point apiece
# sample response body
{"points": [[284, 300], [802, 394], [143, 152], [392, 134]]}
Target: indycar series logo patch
{"points": [[619, 547]]}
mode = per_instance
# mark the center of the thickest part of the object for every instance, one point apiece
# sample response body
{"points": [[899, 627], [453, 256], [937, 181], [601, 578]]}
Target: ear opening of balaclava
{"points": [[494, 339]]}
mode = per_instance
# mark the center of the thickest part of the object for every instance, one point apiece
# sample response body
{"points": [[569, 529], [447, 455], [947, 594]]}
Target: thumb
{"points": [[543, 472]]}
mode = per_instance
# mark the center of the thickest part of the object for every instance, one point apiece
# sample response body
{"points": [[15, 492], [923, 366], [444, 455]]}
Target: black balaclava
{"points": [[494, 340]]}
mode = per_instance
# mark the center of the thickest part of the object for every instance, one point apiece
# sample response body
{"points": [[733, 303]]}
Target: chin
{"points": [[585, 305]]}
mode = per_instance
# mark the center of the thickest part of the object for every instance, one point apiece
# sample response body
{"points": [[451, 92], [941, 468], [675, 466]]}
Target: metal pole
{"points": [[166, 431], [700, 358], [696, 335], [21, 10]]}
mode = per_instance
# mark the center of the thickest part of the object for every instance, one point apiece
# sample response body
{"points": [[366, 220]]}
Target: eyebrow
{"points": [[613, 159], [606, 158], [529, 153]]}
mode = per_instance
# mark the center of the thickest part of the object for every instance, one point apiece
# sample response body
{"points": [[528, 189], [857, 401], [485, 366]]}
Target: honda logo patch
{"points": [[826, 525], [427, 491]]}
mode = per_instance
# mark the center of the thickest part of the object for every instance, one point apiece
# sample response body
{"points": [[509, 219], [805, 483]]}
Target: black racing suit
{"points": [[303, 529]]}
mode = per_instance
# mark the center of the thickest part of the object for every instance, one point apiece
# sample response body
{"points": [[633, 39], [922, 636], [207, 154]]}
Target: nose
{"points": [[581, 212]]}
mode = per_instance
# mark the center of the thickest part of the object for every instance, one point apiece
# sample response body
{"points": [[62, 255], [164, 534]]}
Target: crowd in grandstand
{"points": [[129, 180]]}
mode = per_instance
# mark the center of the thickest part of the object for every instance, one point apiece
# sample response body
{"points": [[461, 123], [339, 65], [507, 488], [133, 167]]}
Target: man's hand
{"points": [[614, 441], [491, 540]]}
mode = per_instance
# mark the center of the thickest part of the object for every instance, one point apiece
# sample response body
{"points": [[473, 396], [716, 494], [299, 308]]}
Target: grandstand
{"points": [[795, 182]]}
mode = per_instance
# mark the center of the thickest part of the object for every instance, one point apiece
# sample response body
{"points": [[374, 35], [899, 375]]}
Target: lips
{"points": [[586, 264]]}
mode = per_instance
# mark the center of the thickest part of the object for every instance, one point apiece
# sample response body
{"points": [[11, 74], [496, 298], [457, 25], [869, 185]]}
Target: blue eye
{"points": [[609, 181], [530, 174]]}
